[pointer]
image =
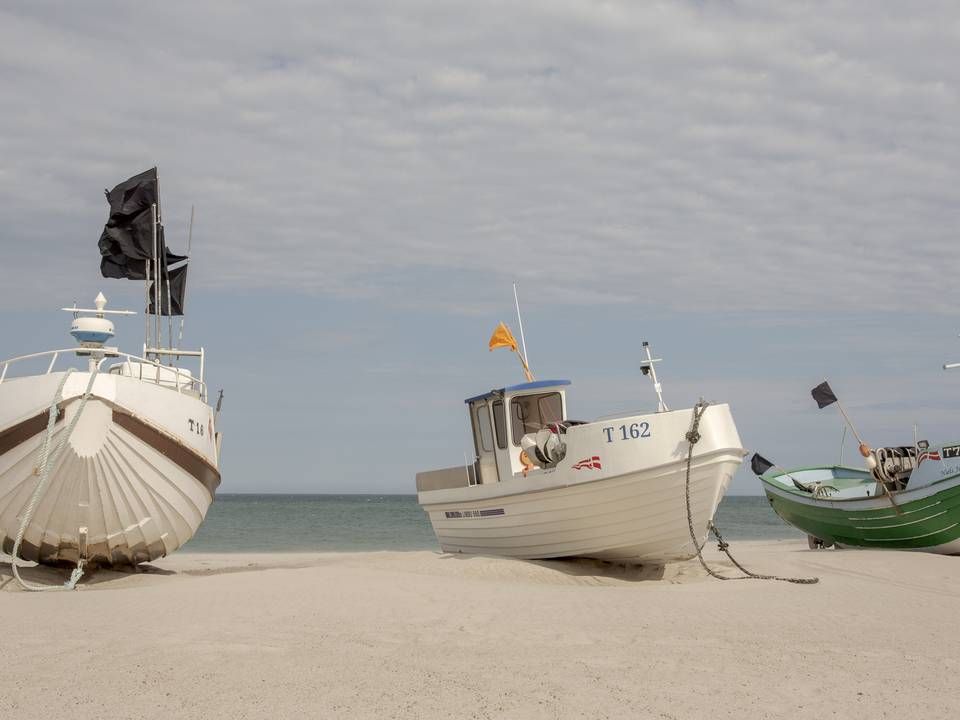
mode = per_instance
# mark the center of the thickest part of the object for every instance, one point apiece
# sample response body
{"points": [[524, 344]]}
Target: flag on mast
{"points": [[126, 243], [759, 464], [170, 303], [823, 394], [502, 337]]}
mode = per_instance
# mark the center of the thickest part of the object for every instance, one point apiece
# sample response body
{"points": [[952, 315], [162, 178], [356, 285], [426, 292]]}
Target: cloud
{"points": [[727, 156]]}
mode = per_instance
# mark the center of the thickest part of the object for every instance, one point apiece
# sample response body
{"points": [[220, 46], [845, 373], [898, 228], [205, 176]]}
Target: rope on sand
{"points": [[693, 437]]}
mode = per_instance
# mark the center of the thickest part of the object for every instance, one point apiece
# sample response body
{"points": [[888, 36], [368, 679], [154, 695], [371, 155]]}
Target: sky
{"points": [[769, 193]]}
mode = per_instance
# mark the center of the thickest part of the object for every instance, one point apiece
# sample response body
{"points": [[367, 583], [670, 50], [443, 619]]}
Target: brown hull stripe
{"points": [[204, 472], [23, 431]]}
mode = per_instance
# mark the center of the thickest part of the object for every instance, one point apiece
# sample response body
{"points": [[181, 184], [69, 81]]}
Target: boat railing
{"points": [[165, 375]]}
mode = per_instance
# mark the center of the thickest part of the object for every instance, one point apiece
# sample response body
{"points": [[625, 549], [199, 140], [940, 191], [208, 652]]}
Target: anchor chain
{"points": [[692, 438]]}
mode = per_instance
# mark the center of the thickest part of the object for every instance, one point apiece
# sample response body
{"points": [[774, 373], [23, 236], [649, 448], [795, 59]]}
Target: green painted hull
{"points": [[930, 520]]}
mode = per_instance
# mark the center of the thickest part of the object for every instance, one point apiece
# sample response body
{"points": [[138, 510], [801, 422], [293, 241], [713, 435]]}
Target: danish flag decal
{"points": [[590, 463], [927, 455]]}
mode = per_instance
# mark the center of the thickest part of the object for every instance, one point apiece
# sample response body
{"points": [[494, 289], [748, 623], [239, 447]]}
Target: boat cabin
{"points": [[500, 418]]}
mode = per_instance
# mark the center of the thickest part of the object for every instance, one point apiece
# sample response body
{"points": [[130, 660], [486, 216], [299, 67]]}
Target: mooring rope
{"points": [[47, 460], [693, 437]]}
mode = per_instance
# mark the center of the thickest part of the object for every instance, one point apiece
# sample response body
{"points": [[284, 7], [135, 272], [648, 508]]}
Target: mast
{"points": [[146, 308], [165, 278], [156, 284], [647, 368], [523, 343], [189, 249]]}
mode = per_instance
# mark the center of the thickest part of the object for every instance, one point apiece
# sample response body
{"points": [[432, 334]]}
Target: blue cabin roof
{"points": [[519, 388]]}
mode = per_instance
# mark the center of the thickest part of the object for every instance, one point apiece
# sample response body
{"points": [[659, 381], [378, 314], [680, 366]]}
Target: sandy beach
{"points": [[422, 634]]}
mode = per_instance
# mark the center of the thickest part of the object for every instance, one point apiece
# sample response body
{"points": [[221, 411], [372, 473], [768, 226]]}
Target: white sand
{"points": [[412, 635]]}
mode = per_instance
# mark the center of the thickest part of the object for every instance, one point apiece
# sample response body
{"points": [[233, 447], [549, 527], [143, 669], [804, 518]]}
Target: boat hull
{"points": [[636, 515], [134, 480], [929, 518]]}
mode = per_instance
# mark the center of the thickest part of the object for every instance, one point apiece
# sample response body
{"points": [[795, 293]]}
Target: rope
{"points": [[47, 460], [692, 438]]}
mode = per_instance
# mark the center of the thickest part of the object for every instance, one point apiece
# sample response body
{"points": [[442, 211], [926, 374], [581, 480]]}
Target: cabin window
{"points": [[500, 424], [484, 431], [530, 413]]}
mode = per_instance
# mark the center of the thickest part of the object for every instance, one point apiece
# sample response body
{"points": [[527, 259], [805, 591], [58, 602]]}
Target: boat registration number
{"points": [[633, 431], [949, 452]]}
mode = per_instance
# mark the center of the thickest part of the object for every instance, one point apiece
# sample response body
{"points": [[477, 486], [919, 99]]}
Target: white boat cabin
{"points": [[500, 418]]}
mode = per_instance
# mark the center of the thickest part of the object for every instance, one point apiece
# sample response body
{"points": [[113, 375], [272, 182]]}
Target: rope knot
{"points": [[693, 437]]}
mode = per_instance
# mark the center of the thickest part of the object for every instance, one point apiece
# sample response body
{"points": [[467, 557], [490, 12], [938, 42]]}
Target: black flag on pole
{"points": [[128, 234], [123, 268], [759, 464], [172, 303], [823, 395], [133, 195]]}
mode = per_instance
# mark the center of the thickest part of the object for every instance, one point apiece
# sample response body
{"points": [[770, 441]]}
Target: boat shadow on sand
{"points": [[51, 576], [573, 571]]}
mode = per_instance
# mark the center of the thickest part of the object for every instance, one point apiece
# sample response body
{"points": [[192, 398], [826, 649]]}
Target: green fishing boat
{"points": [[910, 500]]}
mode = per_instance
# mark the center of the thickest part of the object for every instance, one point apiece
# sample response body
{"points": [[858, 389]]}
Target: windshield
{"points": [[529, 413]]}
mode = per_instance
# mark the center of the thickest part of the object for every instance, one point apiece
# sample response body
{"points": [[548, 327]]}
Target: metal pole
{"points": [[156, 282], [189, 247], [146, 309], [166, 272], [523, 343], [157, 220], [661, 405], [844, 413]]}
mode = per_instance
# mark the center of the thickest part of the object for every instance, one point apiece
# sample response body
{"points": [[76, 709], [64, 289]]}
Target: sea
{"points": [[363, 523]]}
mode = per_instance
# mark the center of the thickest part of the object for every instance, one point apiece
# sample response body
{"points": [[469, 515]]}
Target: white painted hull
{"points": [[635, 511], [137, 473]]}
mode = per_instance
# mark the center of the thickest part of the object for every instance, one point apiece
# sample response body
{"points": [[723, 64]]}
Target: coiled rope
{"points": [[693, 437], [47, 460]]}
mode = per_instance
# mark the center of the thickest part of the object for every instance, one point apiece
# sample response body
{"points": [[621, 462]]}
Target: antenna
{"points": [[646, 367], [190, 230], [523, 342], [189, 246]]}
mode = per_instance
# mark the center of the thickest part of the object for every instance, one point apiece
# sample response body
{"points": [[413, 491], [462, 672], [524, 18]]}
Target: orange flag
{"points": [[502, 337]]}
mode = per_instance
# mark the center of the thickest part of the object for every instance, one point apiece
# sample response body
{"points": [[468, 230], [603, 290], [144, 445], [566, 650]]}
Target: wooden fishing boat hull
{"points": [[135, 478], [929, 517]]}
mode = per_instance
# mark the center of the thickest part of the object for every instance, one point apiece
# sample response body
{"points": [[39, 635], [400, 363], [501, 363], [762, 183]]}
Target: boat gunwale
{"points": [[768, 481]]}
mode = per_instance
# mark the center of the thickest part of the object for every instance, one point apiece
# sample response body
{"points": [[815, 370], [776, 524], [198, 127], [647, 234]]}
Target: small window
{"points": [[485, 432], [500, 424], [530, 413]]}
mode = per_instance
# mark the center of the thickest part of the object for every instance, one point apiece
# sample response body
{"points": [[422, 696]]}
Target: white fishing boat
{"points": [[627, 489], [114, 462]]}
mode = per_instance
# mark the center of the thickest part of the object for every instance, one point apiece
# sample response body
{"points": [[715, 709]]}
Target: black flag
{"points": [[172, 304], [131, 236], [823, 395], [124, 268], [132, 196], [128, 234], [759, 464]]}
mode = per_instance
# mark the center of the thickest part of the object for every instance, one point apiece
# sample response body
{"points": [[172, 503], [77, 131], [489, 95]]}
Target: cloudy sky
{"points": [[768, 192]]}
